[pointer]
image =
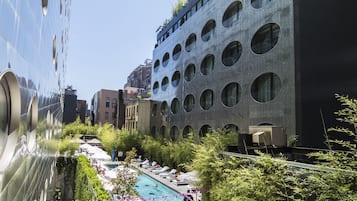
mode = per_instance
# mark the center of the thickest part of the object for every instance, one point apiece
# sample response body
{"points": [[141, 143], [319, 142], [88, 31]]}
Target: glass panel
{"points": [[265, 38]]}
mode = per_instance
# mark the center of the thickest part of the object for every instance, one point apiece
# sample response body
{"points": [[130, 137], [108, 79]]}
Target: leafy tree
{"points": [[339, 183], [108, 136], [88, 185], [124, 184]]}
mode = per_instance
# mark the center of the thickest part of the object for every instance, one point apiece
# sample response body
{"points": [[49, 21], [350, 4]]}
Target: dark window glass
{"points": [[190, 42], [259, 3], [165, 59], [266, 87], [156, 87], [190, 72], [206, 100], [204, 130], [189, 103], [207, 65], [107, 102], [163, 131], [174, 133], [208, 30], [175, 78], [175, 106], [177, 52], [165, 83], [231, 94], [187, 130], [114, 103], [265, 38], [156, 65], [231, 15], [232, 53], [164, 108]]}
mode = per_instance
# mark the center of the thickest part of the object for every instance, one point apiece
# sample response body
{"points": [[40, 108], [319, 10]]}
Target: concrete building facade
{"points": [[238, 64], [139, 116], [104, 107], [139, 82]]}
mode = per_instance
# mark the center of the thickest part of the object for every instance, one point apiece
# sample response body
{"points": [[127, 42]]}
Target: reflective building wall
{"points": [[33, 46]]}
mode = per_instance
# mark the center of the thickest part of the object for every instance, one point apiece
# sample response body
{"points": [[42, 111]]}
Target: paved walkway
{"points": [[178, 188]]}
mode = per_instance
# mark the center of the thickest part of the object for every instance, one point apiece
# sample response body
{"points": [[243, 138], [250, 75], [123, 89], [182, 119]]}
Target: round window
{"points": [[232, 53], [266, 87]]}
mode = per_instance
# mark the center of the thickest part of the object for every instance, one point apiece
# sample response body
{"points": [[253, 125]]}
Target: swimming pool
{"points": [[111, 166], [150, 189]]}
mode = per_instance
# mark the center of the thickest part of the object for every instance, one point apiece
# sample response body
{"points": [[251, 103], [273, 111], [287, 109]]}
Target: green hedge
{"points": [[87, 184]]}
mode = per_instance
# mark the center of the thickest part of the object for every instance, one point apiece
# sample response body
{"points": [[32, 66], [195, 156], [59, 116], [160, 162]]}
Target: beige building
{"points": [[104, 106], [138, 116]]}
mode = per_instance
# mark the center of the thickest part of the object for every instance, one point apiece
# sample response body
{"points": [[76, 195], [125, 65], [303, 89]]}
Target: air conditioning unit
{"points": [[268, 135]]}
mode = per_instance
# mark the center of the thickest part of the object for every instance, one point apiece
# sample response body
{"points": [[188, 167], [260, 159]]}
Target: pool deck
{"points": [[178, 188]]}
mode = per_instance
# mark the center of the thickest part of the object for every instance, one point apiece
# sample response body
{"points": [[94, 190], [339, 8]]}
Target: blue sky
{"points": [[110, 38]]}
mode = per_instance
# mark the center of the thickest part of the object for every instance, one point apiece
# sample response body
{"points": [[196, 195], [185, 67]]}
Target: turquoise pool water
{"points": [[150, 189], [111, 165]]}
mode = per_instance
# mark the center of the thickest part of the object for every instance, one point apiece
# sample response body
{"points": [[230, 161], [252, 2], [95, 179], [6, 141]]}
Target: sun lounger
{"points": [[157, 171], [178, 182], [166, 174]]}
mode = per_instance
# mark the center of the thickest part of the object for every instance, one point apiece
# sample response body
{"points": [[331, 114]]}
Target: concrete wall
{"points": [[279, 60]]}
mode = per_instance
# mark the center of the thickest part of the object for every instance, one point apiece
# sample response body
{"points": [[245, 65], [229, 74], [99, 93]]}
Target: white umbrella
{"points": [[110, 174], [85, 146], [100, 156]]}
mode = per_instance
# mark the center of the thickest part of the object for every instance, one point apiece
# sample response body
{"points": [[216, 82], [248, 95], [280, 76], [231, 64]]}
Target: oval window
{"points": [[207, 64], [231, 15], [175, 79], [231, 53], [190, 72], [265, 38], [190, 43], [175, 106], [165, 83], [231, 94], [189, 103], [266, 87], [156, 65], [177, 52], [206, 100], [208, 30]]}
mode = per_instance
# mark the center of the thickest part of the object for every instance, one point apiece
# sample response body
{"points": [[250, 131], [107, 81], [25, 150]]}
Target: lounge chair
{"points": [[165, 168], [179, 182], [150, 166], [166, 174]]}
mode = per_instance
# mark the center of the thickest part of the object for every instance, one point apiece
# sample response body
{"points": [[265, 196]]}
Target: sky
{"points": [[108, 39]]}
